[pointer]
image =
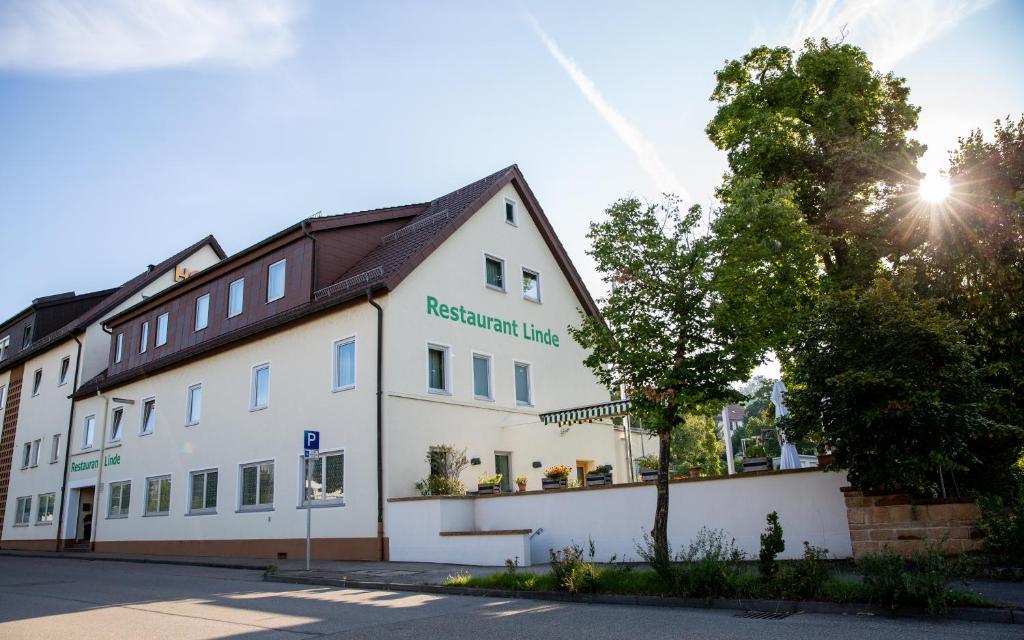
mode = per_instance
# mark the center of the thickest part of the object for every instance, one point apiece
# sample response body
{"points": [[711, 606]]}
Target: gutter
{"points": [[67, 448], [380, 432]]}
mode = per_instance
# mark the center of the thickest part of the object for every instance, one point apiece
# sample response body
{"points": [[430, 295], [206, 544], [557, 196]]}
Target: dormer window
{"points": [[26, 337], [511, 215]]}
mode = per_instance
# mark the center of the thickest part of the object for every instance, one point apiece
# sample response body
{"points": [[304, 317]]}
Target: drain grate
{"points": [[764, 615]]}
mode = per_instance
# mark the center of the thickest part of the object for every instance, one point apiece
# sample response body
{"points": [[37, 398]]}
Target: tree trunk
{"points": [[660, 532]]}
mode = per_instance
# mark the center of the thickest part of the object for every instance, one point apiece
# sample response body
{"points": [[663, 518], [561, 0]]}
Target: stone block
{"points": [[901, 513], [856, 516], [883, 534], [878, 515], [860, 535], [894, 499]]}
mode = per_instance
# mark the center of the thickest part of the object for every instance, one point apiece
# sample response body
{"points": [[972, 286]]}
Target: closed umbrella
{"points": [[790, 459]]}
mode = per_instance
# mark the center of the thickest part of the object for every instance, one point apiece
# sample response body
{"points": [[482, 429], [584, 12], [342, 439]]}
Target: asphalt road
{"points": [[52, 598]]}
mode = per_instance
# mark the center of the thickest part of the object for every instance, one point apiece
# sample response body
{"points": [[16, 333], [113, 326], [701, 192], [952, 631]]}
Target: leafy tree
{"points": [[695, 444], [898, 413], [661, 333]]}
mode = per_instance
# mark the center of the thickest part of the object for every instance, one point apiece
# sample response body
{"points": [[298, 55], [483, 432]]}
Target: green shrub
{"points": [[1002, 526], [808, 577], [571, 571], [711, 564], [924, 581], [772, 544], [440, 486], [650, 461]]}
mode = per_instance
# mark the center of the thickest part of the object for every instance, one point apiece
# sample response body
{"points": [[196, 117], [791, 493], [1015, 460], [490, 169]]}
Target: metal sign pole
{"points": [[309, 505]]}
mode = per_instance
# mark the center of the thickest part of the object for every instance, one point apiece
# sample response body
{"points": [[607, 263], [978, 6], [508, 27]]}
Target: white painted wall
{"points": [[810, 507]]}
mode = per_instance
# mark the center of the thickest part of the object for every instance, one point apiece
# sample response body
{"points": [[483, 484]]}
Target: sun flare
{"points": [[934, 188]]}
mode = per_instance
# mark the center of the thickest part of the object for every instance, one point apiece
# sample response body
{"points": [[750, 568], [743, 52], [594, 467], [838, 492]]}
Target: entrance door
{"points": [[502, 466], [83, 532]]}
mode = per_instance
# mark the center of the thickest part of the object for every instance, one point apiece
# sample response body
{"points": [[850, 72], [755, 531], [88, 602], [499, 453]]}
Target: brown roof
{"points": [[383, 267], [116, 296]]}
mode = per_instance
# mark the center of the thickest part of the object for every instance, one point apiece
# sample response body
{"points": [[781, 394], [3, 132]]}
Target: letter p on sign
{"points": [[311, 440]]}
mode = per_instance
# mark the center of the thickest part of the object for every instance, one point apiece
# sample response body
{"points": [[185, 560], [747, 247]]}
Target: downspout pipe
{"points": [[67, 448], [312, 238], [380, 424]]}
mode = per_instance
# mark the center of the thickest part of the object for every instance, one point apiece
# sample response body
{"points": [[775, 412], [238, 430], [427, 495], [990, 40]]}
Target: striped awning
{"points": [[589, 413]]}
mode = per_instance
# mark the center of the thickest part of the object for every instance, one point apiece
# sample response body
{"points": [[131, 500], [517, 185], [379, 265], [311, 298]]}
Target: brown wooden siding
{"points": [[16, 332], [338, 250], [181, 332], [7, 436]]}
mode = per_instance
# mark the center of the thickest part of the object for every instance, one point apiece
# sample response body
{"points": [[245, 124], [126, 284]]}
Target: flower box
{"points": [[648, 475], [488, 488], [554, 483], [757, 464], [599, 479]]}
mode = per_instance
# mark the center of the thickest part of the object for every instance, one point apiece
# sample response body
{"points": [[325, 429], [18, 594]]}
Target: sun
{"points": [[934, 188]]}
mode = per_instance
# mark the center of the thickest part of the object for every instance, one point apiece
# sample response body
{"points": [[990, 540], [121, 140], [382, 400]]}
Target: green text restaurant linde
{"points": [[491, 323]]}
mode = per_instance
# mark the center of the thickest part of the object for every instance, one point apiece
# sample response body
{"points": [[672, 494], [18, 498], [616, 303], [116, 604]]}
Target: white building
{"points": [[388, 331]]}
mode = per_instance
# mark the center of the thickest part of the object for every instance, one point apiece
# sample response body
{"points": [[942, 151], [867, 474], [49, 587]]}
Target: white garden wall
{"points": [[809, 503]]}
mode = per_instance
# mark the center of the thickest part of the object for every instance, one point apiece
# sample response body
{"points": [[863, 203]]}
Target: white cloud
{"points": [[641, 147], [889, 30], [108, 36]]}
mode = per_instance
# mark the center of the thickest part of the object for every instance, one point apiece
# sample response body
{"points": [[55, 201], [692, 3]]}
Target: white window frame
{"points": [[146, 513], [284, 280], [241, 296], [336, 361], [3, 399], [64, 373], [322, 502], [37, 444], [163, 321], [52, 500], [206, 316], [142, 422], [529, 383], [189, 400], [504, 273], [37, 382], [144, 337], [204, 510], [55, 448], [26, 454], [122, 510], [23, 516], [89, 436], [515, 212], [116, 426], [252, 387], [447, 350], [258, 506], [523, 270], [118, 348], [5, 344], [490, 374]]}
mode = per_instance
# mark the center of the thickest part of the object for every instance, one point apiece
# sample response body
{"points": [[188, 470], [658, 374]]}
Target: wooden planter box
{"points": [[599, 479], [648, 475], [554, 483], [824, 459], [757, 464], [488, 489]]}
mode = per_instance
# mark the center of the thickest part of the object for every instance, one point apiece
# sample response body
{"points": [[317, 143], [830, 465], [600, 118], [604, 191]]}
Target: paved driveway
{"points": [[53, 598]]}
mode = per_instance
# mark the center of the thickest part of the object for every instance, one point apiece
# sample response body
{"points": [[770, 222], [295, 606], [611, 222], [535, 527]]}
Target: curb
{"points": [[212, 564], [968, 614]]}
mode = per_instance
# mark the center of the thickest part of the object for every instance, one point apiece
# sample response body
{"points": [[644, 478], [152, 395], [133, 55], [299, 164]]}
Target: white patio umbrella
{"points": [[790, 459]]}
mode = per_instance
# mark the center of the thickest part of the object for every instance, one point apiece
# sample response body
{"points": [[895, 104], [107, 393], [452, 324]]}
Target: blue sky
{"points": [[128, 133]]}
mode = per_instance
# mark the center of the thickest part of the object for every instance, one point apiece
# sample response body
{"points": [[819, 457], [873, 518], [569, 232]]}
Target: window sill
{"points": [[156, 515], [511, 223], [347, 387], [519, 403], [484, 398], [201, 512], [44, 524], [124, 517], [269, 300], [145, 433], [439, 392], [191, 424], [254, 509], [20, 524], [532, 300], [494, 288], [255, 409], [324, 504], [62, 384]]}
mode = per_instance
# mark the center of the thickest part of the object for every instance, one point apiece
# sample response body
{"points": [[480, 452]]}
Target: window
{"points": [[65, 371], [531, 285], [482, 377], [24, 510], [116, 424], [144, 337], [345, 364], [327, 478], [148, 416], [161, 330], [26, 455], [202, 312], [438, 380], [494, 272], [204, 492], [55, 448], [44, 512], [524, 393], [120, 499], [510, 212], [26, 337], [260, 387], [37, 382], [36, 444], [118, 347], [88, 432], [275, 280], [257, 486], [6, 342], [236, 296], [3, 399], [158, 496], [195, 404]]}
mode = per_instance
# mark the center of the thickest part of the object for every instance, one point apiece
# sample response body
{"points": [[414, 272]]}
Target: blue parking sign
{"points": [[311, 440]]}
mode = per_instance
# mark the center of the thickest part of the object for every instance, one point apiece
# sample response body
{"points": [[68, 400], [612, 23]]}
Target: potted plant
{"points": [[557, 477], [695, 471], [599, 476], [825, 457], [489, 485], [648, 467], [755, 458], [521, 483]]}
